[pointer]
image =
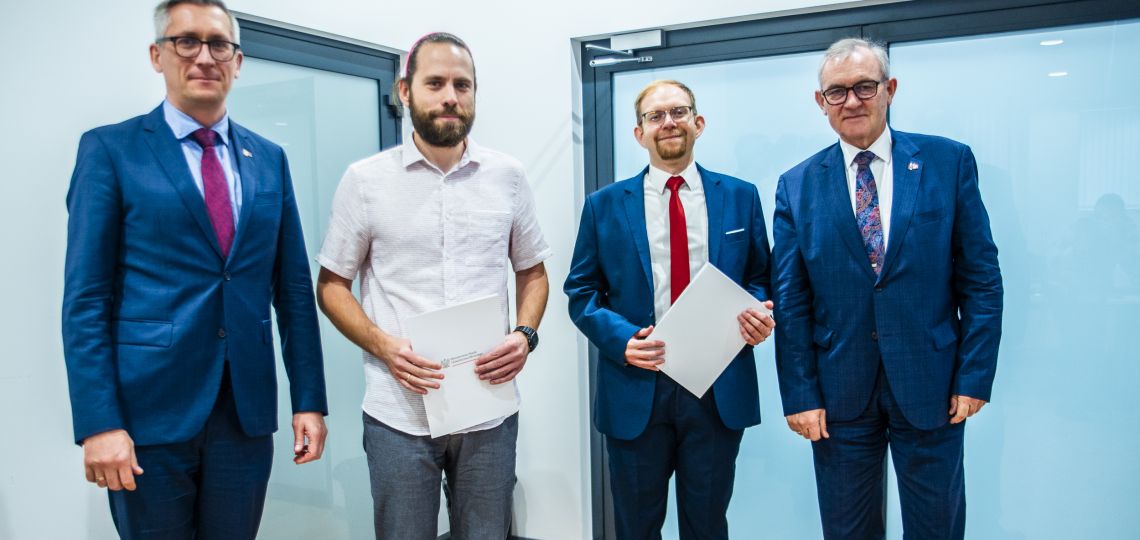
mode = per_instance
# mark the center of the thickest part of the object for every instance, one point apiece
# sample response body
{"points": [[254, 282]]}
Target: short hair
{"points": [[162, 16], [658, 84], [844, 48], [435, 37]]}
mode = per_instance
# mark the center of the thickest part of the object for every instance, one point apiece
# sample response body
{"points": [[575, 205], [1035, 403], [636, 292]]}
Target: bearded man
{"points": [[640, 242], [429, 224]]}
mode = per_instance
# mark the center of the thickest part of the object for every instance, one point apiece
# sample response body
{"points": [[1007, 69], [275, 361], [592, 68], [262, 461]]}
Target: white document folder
{"points": [[455, 336], [700, 330]]}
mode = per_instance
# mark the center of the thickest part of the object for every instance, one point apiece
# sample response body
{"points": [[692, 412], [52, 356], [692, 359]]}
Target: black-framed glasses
{"points": [[678, 114], [862, 89], [189, 47]]}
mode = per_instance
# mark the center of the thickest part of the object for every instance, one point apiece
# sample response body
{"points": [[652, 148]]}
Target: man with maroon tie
{"points": [[182, 232], [639, 243]]}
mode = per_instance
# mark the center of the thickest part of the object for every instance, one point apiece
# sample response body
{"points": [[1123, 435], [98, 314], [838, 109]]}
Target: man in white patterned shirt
{"points": [[428, 224]]}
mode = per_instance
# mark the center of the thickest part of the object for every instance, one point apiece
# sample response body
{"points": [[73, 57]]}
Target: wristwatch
{"points": [[531, 336]]}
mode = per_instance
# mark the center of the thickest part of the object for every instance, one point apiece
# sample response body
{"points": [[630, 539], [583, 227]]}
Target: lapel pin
{"points": [[911, 166], [247, 153]]}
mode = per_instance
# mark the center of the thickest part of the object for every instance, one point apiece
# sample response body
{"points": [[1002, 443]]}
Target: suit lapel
{"points": [[245, 166], [635, 219], [907, 175], [837, 198], [168, 152], [714, 205]]}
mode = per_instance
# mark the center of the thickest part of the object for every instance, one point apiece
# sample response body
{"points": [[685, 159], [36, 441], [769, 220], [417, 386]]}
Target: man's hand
{"points": [[811, 425], [308, 436], [414, 372], [644, 354], [754, 326], [963, 407], [109, 458], [504, 362]]}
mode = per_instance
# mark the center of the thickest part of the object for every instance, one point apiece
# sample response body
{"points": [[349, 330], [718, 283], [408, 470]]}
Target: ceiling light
{"points": [[1058, 73], [1052, 42]]}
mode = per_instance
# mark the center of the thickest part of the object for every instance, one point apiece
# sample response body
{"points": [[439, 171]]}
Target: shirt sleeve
{"points": [[347, 241], [528, 247]]}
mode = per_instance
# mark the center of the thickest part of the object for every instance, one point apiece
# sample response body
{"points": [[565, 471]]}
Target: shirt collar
{"points": [[411, 154], [182, 125], [881, 148], [656, 178]]}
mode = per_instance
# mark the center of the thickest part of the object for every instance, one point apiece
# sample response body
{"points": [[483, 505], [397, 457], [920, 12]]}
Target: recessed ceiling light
{"points": [[1052, 42], [1058, 73], [282, 124]]}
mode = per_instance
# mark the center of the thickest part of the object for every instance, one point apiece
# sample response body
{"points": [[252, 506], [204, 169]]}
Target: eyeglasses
{"points": [[678, 114], [189, 47], [862, 89]]}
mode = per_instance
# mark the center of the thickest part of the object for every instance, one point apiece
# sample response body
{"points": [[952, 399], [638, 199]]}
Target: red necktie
{"points": [[216, 190], [678, 240]]}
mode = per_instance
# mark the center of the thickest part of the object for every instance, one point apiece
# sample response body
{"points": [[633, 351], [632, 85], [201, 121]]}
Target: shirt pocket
{"points": [[483, 238]]}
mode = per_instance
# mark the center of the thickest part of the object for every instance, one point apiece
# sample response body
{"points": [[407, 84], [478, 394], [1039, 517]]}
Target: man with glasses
{"points": [[183, 230], [889, 298], [639, 243]]}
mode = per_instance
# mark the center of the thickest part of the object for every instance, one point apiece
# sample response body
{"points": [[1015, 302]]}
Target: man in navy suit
{"points": [[183, 229], [889, 298], [639, 243]]}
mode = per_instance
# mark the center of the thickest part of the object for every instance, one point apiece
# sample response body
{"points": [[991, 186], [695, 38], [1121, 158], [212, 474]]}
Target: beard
{"points": [[449, 134], [673, 148]]}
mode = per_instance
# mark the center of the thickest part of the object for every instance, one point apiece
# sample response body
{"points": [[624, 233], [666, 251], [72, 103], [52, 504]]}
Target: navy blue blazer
{"points": [[610, 288], [151, 310], [931, 318]]}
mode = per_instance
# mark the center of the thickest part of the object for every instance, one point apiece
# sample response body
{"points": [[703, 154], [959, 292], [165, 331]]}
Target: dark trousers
{"points": [[212, 486], [851, 469], [685, 435]]}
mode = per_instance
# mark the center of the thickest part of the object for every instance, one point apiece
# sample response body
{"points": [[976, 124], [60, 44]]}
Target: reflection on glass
{"points": [[324, 121], [1054, 455]]}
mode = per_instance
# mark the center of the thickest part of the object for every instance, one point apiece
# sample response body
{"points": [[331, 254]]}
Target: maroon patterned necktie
{"points": [[678, 241], [216, 190]]}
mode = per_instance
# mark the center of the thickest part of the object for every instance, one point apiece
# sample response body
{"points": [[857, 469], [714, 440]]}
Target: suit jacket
{"points": [[151, 309], [610, 286], [931, 318]]}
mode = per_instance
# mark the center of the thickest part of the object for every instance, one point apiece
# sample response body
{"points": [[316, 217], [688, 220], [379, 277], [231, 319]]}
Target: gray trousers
{"points": [[405, 472]]}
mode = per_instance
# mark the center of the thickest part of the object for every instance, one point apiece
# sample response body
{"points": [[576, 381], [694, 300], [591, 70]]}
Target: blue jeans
{"points": [[405, 471]]}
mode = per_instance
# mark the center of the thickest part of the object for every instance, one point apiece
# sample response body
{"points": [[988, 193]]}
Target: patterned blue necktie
{"points": [[867, 210]]}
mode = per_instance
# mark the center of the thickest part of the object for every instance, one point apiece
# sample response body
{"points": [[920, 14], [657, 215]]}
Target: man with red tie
{"points": [[639, 243]]}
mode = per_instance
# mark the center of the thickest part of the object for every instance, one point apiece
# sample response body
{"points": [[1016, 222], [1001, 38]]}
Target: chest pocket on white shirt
{"points": [[483, 238]]}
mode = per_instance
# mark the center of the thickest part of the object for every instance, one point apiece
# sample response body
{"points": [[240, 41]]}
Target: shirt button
{"points": [[221, 333], [874, 336]]}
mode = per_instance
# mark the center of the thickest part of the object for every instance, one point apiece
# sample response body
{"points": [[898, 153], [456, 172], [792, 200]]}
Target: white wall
{"points": [[69, 66]]}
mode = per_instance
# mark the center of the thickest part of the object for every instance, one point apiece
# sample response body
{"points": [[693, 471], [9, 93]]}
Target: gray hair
{"points": [[162, 16], [844, 48]]}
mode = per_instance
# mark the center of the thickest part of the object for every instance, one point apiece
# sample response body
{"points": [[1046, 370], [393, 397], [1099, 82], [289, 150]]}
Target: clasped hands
{"points": [[755, 327], [418, 374]]}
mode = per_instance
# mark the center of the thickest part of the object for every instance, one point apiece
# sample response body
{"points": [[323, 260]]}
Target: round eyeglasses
{"points": [[189, 47], [862, 89]]}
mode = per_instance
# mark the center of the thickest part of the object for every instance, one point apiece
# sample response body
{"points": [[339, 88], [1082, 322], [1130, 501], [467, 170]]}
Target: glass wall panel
{"points": [[324, 121], [761, 120], [1053, 122]]}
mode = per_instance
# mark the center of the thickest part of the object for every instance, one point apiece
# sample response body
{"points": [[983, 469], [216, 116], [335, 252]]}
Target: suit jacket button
{"points": [[874, 336], [221, 333], [877, 289], [226, 276]]}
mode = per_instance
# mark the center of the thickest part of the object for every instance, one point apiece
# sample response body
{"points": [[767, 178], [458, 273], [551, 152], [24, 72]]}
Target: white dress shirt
{"points": [[692, 194], [884, 177], [422, 239]]}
